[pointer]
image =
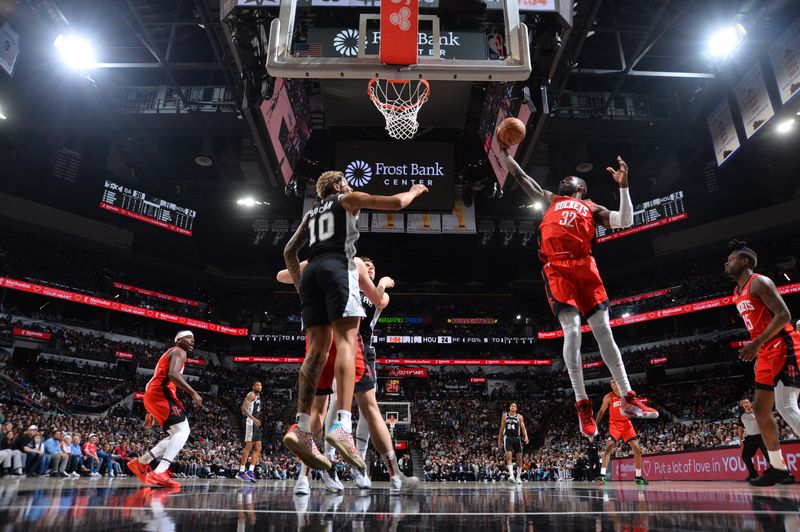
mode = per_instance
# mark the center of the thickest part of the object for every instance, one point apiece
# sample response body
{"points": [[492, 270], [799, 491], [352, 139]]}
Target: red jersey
{"points": [[161, 375], [615, 416], [89, 448], [754, 312], [567, 229]]}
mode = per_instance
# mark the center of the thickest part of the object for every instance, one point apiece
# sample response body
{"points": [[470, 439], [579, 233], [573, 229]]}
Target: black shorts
{"points": [[512, 444], [251, 432], [368, 380], [329, 290]]}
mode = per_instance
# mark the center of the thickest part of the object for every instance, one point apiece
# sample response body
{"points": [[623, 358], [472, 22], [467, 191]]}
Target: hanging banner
{"points": [[723, 133], [387, 223], [753, 98], [9, 48], [658, 361], [28, 333], [83, 299], [785, 57], [195, 362], [461, 220], [595, 364], [423, 223], [669, 312]]}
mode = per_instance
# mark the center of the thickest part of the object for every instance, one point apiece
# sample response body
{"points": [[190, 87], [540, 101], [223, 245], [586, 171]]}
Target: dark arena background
{"points": [[157, 156]]}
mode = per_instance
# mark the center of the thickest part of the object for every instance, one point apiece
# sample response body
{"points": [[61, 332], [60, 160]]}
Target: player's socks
{"points": [[241, 469], [776, 460], [251, 468], [511, 470], [601, 329], [345, 417], [304, 422], [603, 471], [571, 325], [390, 459], [638, 472]]}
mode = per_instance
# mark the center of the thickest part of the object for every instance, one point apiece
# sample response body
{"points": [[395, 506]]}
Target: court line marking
{"points": [[425, 514]]}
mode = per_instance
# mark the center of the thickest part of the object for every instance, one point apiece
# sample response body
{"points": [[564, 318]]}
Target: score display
{"points": [[648, 215], [134, 204]]}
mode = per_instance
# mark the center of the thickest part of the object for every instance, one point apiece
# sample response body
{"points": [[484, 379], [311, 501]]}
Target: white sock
{"points": [[180, 433], [601, 328], [638, 472], [571, 325], [155, 452], [511, 470], [602, 470], [391, 463], [303, 422], [786, 405], [776, 459], [241, 469], [345, 417], [362, 436], [330, 419], [303, 471], [251, 468]]}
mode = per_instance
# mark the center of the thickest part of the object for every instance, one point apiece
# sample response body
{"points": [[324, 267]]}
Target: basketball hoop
{"points": [[392, 421], [399, 101]]}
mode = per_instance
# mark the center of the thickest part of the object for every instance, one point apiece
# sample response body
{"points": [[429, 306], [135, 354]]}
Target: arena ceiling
{"points": [[619, 54]]}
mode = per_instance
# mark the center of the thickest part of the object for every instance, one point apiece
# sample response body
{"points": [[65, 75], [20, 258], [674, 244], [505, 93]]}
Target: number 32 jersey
{"points": [[331, 229], [567, 229]]}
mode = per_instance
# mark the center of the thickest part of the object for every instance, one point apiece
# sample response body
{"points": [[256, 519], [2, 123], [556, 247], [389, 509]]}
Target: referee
{"points": [[750, 438]]}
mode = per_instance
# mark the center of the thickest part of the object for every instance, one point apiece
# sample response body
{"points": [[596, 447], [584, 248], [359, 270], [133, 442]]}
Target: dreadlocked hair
{"points": [[742, 250]]}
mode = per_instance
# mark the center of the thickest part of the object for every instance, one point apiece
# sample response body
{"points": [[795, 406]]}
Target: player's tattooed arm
{"points": [[309, 376], [533, 189], [764, 289], [292, 249]]}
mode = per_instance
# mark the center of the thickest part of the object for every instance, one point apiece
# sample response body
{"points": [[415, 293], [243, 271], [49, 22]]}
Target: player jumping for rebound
{"points": [[513, 435], [774, 348], [251, 410], [163, 406], [572, 281], [620, 427], [331, 307]]}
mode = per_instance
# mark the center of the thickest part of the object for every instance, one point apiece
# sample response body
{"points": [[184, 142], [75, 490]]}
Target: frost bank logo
{"points": [[346, 42], [358, 173]]}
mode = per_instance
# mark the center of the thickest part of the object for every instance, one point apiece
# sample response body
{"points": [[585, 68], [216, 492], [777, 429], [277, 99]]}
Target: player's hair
{"points": [[326, 181], [743, 251], [367, 259]]}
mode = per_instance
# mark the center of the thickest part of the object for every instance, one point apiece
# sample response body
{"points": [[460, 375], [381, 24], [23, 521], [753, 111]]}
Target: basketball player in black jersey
{"points": [[512, 426], [251, 410], [331, 307]]}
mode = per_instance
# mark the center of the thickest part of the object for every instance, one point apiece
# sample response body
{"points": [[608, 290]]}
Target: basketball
{"points": [[511, 131]]}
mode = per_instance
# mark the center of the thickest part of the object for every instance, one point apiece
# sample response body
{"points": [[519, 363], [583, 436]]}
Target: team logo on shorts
{"points": [[358, 173]]}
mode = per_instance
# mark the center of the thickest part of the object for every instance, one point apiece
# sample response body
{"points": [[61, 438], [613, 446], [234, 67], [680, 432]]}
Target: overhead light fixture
{"points": [[787, 277], [2, 115], [76, 52], [785, 126], [519, 316], [202, 160], [626, 315], [584, 167], [724, 42], [250, 202], [537, 206]]}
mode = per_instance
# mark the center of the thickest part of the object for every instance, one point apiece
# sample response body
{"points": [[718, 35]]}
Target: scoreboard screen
{"points": [[134, 204], [648, 215]]}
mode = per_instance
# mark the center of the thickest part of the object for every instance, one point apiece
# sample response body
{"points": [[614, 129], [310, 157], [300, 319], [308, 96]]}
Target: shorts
{"points": [[777, 362], [624, 431], [574, 284], [329, 291], [163, 404], [251, 432], [365, 375], [512, 444]]}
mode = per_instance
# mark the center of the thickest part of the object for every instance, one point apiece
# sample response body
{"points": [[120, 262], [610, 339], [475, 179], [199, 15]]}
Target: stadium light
{"points": [[627, 314], [785, 126], [76, 52], [2, 115], [519, 316], [537, 206], [250, 202], [724, 42]]}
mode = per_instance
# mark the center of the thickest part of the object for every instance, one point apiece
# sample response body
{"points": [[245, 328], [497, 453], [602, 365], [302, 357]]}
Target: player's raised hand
{"points": [[149, 421], [418, 190], [621, 175], [386, 282]]}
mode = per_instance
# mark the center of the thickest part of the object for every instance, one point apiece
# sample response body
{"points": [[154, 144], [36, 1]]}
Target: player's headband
{"points": [[183, 334]]}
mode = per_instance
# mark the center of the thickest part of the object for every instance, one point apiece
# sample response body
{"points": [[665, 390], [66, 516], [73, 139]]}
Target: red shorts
{"points": [[363, 374], [574, 284], [777, 362], [163, 404], [622, 430]]}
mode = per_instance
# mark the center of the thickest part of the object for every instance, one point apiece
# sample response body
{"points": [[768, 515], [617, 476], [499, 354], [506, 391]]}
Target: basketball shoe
{"points": [[361, 480], [400, 484], [343, 441], [303, 446], [586, 418], [632, 406]]}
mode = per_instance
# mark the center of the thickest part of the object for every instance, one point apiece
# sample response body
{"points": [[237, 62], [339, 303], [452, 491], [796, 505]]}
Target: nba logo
{"points": [[496, 45]]}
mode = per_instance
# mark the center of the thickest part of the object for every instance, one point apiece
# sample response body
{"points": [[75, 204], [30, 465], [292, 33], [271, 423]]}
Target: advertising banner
{"points": [[153, 293], [27, 333]]}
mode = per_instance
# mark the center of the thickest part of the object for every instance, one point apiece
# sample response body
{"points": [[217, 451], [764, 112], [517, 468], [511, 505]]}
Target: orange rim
{"points": [[421, 99]]}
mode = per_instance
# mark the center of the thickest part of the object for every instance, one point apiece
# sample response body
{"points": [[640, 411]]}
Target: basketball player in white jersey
{"points": [[251, 410], [331, 308], [513, 435]]}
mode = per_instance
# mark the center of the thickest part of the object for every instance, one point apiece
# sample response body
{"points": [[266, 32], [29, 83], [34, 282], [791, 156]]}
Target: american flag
{"points": [[313, 49]]}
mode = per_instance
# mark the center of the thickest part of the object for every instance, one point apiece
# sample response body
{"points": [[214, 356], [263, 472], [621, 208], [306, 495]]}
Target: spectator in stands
{"points": [[41, 458], [57, 457], [14, 459], [73, 459], [25, 444], [90, 459], [7, 427], [113, 468]]}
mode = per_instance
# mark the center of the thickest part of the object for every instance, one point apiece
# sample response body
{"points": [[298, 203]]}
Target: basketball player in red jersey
{"points": [[619, 427], [573, 283], [774, 348], [163, 406]]}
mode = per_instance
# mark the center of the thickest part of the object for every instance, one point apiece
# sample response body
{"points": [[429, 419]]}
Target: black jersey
{"points": [[368, 323], [331, 229], [254, 408], [512, 426]]}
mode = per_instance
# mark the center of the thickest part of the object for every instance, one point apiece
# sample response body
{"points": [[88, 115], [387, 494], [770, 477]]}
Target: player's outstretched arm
{"points": [[533, 189], [375, 293], [285, 277], [603, 408], [764, 289], [292, 249], [624, 216], [355, 201]]}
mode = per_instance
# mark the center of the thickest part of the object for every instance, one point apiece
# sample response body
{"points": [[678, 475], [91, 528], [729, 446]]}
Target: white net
{"points": [[399, 101]]}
